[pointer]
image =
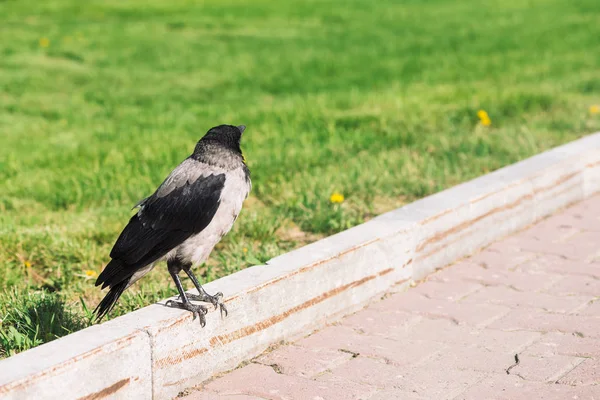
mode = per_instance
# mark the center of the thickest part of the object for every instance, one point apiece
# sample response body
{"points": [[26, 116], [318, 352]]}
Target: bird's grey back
{"points": [[187, 173]]}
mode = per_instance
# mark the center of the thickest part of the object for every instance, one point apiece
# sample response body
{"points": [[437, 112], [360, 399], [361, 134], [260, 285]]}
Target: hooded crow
{"points": [[182, 221]]}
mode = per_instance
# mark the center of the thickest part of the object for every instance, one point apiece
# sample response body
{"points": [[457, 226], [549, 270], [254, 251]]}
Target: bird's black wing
{"points": [[181, 207]]}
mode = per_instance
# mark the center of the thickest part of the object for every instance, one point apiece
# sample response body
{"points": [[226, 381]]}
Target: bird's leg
{"points": [[197, 310], [216, 300]]}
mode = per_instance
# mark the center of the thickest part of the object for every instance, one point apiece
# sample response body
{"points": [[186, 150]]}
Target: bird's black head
{"points": [[222, 137]]}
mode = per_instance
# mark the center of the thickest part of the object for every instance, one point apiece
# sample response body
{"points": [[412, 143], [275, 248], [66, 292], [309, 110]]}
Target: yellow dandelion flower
{"points": [[484, 118], [336, 198], [27, 264], [595, 109], [90, 273], [44, 42], [245, 249]]}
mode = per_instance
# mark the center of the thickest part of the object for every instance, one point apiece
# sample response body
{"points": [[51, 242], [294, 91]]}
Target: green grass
{"points": [[375, 100]]}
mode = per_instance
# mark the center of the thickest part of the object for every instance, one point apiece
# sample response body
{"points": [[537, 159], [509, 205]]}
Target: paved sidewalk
{"points": [[455, 335]]}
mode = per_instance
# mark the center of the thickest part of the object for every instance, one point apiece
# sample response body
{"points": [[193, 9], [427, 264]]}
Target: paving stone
{"points": [[437, 383], [366, 371], [470, 358], [548, 263], [262, 381], [533, 280], [502, 255], [515, 299], [440, 330], [576, 286], [585, 216], [205, 395], [591, 309], [460, 312], [578, 246], [381, 323], [447, 291], [541, 321], [303, 361], [544, 368], [555, 229], [445, 331], [401, 353], [565, 344], [511, 387], [582, 246], [392, 394], [586, 373]]}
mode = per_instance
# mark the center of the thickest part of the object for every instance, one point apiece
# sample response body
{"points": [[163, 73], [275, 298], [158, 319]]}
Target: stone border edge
{"points": [[156, 352]]}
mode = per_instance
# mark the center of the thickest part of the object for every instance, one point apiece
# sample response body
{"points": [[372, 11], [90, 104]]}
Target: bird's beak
{"points": [[242, 128]]}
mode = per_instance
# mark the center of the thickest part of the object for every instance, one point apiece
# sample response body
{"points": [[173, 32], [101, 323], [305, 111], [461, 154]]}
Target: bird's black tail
{"points": [[109, 301], [113, 276]]}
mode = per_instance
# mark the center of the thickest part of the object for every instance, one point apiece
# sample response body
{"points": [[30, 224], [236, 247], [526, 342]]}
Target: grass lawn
{"points": [[377, 101]]}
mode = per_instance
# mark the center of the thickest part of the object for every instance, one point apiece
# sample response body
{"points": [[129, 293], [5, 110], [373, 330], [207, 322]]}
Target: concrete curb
{"points": [[155, 352]]}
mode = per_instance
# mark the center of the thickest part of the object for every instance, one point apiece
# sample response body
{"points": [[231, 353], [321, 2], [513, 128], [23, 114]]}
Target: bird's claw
{"points": [[196, 310], [170, 303], [201, 317], [223, 309], [216, 299]]}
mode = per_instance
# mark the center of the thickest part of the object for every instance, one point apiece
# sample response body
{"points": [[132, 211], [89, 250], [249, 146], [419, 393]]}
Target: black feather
{"points": [[110, 300], [188, 208]]}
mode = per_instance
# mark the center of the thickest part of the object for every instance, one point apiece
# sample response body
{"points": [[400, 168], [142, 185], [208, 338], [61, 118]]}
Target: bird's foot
{"points": [[216, 300], [197, 310]]}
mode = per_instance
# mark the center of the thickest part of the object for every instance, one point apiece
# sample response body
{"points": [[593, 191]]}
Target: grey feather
{"points": [[186, 173]]}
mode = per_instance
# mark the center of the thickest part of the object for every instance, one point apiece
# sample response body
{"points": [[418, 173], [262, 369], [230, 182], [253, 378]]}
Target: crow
{"points": [[182, 221]]}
